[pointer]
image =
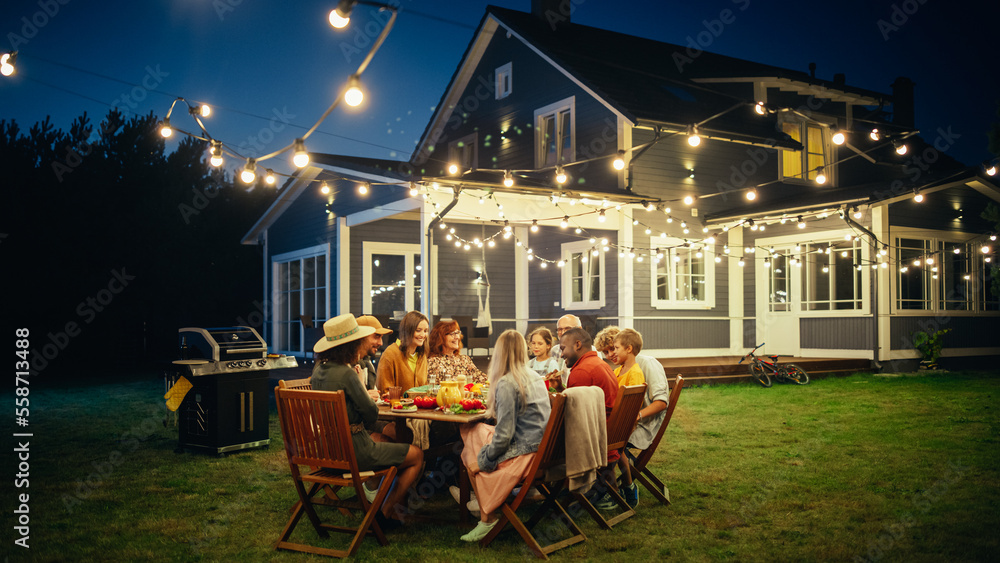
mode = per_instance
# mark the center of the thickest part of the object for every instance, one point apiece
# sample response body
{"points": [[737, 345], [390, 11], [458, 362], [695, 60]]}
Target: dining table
{"points": [[386, 413]]}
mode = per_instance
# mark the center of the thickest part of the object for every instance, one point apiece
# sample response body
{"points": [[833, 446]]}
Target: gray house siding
{"points": [[457, 269], [836, 333], [546, 284], [966, 332], [386, 230], [675, 335]]}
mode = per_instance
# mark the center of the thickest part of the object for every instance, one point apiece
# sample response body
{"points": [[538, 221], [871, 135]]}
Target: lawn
{"points": [[859, 468]]}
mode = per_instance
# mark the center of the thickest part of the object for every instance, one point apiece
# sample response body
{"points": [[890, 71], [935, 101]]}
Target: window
{"points": [[913, 282], [830, 276], [583, 276], [804, 165], [464, 153], [503, 81], [932, 276], [391, 278], [683, 278], [554, 126], [300, 288], [777, 294]]}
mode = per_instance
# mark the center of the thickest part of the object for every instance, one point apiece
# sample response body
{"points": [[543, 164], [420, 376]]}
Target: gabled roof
{"points": [[644, 81]]}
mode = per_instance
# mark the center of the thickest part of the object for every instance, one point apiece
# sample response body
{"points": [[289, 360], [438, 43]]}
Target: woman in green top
{"points": [[340, 348]]}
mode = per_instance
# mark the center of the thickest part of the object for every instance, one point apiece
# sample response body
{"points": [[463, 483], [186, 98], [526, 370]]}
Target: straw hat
{"points": [[368, 320], [341, 330]]}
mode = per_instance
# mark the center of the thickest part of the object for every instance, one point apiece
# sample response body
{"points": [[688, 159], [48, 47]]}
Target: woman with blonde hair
{"points": [[498, 456]]}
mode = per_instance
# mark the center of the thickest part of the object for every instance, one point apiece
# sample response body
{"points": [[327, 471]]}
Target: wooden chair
{"points": [[621, 424], [317, 434], [301, 384], [551, 452], [640, 463]]}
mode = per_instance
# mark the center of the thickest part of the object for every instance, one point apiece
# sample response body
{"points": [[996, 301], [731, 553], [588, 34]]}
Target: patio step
{"points": [[726, 369]]}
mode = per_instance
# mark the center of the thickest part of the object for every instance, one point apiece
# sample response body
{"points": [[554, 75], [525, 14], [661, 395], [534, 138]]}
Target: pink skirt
{"points": [[491, 488]]}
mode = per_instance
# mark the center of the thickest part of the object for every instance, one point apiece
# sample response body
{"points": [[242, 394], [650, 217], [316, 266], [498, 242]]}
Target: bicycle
{"points": [[762, 370]]}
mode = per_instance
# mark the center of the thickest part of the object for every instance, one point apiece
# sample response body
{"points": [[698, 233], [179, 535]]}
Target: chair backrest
{"points": [[624, 415], [552, 449], [675, 393], [295, 383], [315, 428]]}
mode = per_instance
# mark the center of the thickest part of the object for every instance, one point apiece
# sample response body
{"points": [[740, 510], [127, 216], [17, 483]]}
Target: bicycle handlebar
{"points": [[750, 353]]}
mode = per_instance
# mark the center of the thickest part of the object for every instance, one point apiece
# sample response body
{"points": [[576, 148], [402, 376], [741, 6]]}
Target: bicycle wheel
{"points": [[760, 375], [796, 374]]}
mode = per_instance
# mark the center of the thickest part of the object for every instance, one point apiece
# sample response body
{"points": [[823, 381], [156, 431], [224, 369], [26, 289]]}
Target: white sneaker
{"points": [[456, 494], [480, 531], [370, 495]]}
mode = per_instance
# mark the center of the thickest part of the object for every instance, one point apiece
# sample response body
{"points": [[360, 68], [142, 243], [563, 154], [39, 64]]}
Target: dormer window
{"points": [[804, 164], [554, 125], [503, 81]]}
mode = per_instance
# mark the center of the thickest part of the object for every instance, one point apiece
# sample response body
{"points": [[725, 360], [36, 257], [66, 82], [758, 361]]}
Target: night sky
{"points": [[270, 69]]}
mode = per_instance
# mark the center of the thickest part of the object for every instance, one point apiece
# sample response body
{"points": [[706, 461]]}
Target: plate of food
{"points": [[404, 405], [466, 406]]}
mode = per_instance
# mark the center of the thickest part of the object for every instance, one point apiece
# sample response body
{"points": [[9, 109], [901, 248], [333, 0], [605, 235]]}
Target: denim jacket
{"points": [[519, 426]]}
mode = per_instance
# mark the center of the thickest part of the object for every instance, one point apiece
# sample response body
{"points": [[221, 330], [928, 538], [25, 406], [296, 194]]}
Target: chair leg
{"points": [[654, 485]]}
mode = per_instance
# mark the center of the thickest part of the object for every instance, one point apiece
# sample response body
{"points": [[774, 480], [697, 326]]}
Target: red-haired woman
{"points": [[445, 359]]}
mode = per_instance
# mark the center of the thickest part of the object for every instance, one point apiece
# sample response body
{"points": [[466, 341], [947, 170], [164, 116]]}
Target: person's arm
{"points": [[387, 369], [506, 407], [363, 403], [472, 371], [656, 386]]}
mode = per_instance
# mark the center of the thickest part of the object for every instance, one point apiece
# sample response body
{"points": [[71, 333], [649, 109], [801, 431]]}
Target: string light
{"points": [[300, 158], [619, 161], [560, 176], [900, 148], [874, 135], [857, 212], [269, 178], [565, 222], [838, 138], [601, 217], [534, 225], [508, 179], [165, 129], [341, 15], [354, 95], [752, 194], [363, 188], [324, 188], [801, 223], [453, 169], [7, 63], [917, 196], [414, 191], [216, 151], [693, 139], [688, 200], [249, 173], [820, 176], [759, 108]]}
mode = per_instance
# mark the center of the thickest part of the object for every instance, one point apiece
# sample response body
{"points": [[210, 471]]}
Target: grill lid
{"points": [[222, 343]]}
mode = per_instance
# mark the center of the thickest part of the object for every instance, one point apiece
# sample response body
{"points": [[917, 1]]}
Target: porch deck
{"points": [[696, 371]]}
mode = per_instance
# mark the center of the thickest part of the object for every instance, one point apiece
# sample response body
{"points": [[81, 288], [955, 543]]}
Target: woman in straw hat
{"points": [[340, 348]]}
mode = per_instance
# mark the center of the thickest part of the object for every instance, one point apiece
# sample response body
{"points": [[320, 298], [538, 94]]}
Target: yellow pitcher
{"points": [[448, 394]]}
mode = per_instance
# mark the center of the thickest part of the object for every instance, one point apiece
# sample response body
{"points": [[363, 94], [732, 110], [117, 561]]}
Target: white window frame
{"points": [[938, 244], [803, 155], [815, 252], [503, 81], [563, 156], [677, 248], [276, 314], [456, 149], [582, 247], [394, 249]]}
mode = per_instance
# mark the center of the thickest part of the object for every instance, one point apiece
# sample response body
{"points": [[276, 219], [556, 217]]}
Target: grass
{"points": [[856, 468]]}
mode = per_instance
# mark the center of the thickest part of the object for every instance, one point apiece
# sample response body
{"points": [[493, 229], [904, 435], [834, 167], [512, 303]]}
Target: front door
{"points": [[778, 303]]}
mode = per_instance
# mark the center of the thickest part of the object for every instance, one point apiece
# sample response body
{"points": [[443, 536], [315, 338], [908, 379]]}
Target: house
{"points": [[792, 222]]}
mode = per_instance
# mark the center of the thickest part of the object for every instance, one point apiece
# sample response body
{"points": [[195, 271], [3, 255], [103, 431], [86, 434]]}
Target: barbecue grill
{"points": [[227, 407]]}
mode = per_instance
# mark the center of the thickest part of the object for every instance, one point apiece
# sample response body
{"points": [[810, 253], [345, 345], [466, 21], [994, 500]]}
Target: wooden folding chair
{"points": [[551, 452], [295, 383], [640, 463], [621, 423], [317, 434]]}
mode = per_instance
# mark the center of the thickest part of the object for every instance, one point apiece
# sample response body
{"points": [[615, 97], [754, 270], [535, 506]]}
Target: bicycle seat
{"points": [[774, 359]]}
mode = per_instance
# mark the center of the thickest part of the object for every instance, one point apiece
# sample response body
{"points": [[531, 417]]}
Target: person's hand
{"points": [[373, 394], [357, 368]]}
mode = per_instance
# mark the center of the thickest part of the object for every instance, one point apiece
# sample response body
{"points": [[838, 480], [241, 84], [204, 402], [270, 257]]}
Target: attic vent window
{"points": [[504, 81]]}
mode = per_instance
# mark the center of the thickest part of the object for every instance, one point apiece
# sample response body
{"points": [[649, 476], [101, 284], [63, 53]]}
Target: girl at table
{"points": [[341, 347], [543, 363], [446, 359], [497, 456], [404, 363]]}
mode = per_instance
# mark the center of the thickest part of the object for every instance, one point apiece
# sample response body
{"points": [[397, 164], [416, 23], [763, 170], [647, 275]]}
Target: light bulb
{"points": [[249, 173], [874, 135], [565, 222], [354, 96], [363, 188], [991, 170], [838, 138], [820, 176], [560, 175], [269, 178], [900, 148], [165, 129], [534, 225], [688, 200], [205, 110], [759, 108], [413, 190], [918, 197], [341, 15], [300, 157], [216, 152], [619, 162], [857, 213], [324, 188], [693, 139], [6, 63], [752, 195], [508, 179], [601, 217]]}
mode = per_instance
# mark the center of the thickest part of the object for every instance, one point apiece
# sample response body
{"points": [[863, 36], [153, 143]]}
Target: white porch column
{"points": [[735, 292], [428, 304], [886, 277], [626, 271], [343, 258], [521, 287]]}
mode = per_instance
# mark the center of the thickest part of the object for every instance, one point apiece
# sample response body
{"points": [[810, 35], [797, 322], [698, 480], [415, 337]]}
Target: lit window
{"points": [[684, 278], [913, 282], [554, 134], [300, 290], [804, 164], [391, 278], [583, 276], [504, 81], [831, 281]]}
